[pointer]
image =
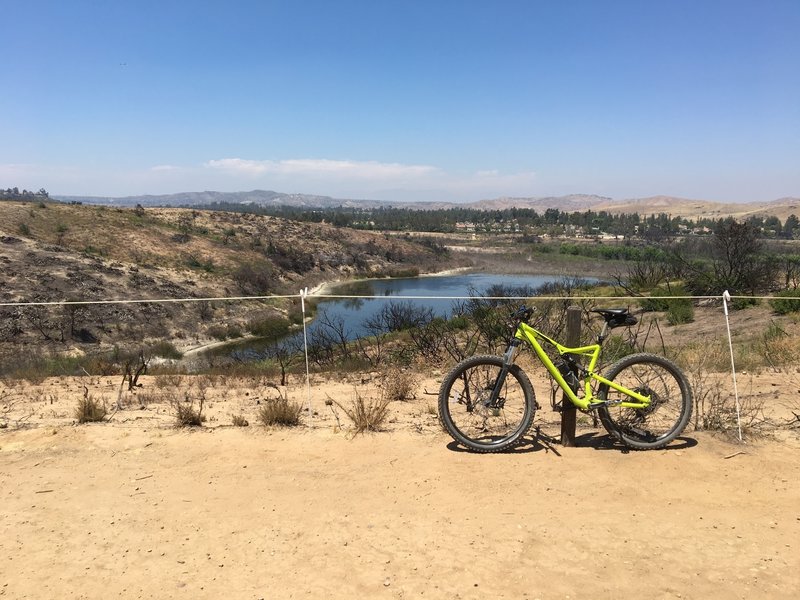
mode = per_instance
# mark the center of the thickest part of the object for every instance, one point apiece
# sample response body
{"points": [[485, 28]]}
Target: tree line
{"points": [[524, 221], [24, 195]]}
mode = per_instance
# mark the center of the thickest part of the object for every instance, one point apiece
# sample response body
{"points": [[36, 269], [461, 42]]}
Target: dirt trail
{"points": [[125, 511]]}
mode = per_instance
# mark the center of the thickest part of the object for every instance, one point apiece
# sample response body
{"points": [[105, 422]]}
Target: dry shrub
{"points": [[89, 409], [145, 398], [366, 415], [280, 412], [400, 384], [778, 348], [168, 380], [715, 408], [186, 415], [721, 416], [239, 421]]}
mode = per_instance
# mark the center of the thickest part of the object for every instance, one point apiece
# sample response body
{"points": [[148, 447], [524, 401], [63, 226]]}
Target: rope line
{"points": [[310, 295], [305, 295]]}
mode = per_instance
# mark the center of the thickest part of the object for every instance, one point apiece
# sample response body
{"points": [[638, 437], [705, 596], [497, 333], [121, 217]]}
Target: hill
{"points": [[678, 207], [51, 252], [695, 209]]}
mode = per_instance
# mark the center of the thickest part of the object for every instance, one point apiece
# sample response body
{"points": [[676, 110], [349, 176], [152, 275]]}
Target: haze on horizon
{"points": [[413, 101]]}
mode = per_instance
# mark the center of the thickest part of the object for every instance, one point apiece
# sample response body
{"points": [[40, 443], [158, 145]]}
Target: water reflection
{"points": [[351, 318]]}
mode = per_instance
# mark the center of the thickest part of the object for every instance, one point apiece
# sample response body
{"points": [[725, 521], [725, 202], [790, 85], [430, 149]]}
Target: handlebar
{"points": [[522, 314]]}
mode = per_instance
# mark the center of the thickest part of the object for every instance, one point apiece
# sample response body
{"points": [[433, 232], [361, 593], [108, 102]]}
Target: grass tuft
{"points": [[400, 384], [239, 421], [280, 412], [366, 415], [186, 415], [90, 410]]}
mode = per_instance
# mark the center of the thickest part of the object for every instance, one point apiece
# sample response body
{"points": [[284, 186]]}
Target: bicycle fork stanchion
{"points": [[568, 410]]}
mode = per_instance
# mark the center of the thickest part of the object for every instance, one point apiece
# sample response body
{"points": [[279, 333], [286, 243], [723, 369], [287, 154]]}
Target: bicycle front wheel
{"points": [[478, 418], [670, 401]]}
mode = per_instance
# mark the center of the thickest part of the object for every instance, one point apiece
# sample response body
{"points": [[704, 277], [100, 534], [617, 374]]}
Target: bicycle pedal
{"points": [[596, 405]]}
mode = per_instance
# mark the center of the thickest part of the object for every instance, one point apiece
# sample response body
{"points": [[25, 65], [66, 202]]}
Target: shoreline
{"points": [[320, 291], [325, 288], [324, 291]]}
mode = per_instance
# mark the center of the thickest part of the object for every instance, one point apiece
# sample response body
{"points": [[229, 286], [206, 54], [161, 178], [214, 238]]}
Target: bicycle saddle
{"points": [[616, 317]]}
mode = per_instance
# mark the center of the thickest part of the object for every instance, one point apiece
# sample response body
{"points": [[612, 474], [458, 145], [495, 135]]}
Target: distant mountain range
{"points": [[683, 207]]}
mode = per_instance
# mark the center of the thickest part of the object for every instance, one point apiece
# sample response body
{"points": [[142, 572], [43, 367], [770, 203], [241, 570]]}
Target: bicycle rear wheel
{"points": [[476, 419], [669, 410]]}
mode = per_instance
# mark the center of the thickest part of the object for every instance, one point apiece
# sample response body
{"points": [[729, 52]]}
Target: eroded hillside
{"points": [[54, 252]]}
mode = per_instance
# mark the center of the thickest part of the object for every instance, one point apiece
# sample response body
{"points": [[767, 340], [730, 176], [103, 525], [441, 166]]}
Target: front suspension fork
{"points": [[508, 360]]}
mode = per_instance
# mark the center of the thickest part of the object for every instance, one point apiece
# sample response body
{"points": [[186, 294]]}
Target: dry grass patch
{"points": [[280, 412], [400, 384], [239, 421], [89, 409], [186, 415], [366, 414]]}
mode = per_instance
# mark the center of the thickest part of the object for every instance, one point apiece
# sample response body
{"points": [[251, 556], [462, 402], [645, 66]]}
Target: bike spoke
{"points": [[478, 417], [670, 402]]}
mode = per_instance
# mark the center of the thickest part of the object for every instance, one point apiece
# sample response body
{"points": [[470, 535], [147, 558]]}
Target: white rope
{"points": [[726, 297], [359, 297], [145, 301], [549, 298]]}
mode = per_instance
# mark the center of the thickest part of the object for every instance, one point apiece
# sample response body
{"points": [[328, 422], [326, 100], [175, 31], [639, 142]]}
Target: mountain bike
{"points": [[487, 403]]}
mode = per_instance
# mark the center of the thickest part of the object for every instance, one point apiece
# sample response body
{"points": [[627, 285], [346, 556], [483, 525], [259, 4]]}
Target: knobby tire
{"points": [[667, 416], [473, 418]]}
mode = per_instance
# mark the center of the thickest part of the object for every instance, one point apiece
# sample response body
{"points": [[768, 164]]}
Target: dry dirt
{"points": [[136, 508]]}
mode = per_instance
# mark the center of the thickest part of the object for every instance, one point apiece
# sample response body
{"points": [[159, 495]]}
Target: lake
{"points": [[426, 292], [353, 303]]}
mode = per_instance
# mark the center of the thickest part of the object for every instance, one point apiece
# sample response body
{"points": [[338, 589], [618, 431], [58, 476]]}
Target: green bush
{"points": [[742, 303], [218, 332], [165, 349], [271, 327], [659, 298], [615, 347], [679, 310], [205, 264], [785, 302]]}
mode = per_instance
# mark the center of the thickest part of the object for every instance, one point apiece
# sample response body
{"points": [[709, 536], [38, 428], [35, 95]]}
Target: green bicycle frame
{"points": [[529, 334]]}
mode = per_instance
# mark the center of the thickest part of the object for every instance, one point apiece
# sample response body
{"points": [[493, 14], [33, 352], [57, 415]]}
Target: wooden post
{"points": [[568, 410]]}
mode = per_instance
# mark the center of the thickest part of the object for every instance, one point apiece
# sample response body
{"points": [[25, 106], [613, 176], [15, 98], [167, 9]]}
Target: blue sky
{"points": [[403, 100]]}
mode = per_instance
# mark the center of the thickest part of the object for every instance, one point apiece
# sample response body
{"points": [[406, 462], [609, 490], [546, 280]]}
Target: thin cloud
{"points": [[376, 179], [337, 178], [11, 170], [365, 170]]}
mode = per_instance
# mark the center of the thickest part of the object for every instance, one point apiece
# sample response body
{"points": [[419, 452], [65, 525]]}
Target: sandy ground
{"points": [[136, 508]]}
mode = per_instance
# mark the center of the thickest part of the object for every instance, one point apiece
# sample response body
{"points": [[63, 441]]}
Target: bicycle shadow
{"points": [[600, 441], [539, 442], [542, 442]]}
